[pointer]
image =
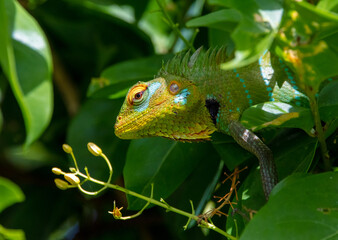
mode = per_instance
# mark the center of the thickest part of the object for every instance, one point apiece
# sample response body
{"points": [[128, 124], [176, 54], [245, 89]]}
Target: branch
{"points": [[74, 181]]}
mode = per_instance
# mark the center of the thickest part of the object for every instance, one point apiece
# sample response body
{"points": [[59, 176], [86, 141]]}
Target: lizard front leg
{"points": [[249, 141]]}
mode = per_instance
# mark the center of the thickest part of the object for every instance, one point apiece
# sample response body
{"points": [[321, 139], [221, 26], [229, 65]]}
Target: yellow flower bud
{"points": [[73, 170], [61, 184], [67, 148], [72, 178], [56, 171], [94, 149]]}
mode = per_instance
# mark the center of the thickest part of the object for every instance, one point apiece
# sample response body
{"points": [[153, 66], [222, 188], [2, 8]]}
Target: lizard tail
{"points": [[249, 141]]}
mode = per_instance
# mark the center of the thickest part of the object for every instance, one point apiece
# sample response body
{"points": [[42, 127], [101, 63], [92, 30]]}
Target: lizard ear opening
{"points": [[213, 108], [174, 87]]}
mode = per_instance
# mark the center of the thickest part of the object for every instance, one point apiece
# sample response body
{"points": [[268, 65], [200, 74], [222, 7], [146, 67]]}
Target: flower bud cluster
{"points": [[116, 212], [72, 179]]}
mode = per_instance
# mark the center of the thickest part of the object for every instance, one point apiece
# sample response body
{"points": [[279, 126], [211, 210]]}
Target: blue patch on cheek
{"points": [[182, 97], [152, 89]]}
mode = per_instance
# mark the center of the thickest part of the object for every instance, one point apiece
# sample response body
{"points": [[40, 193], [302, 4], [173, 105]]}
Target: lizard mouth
{"points": [[125, 130], [134, 128], [202, 136], [124, 133], [140, 128]]}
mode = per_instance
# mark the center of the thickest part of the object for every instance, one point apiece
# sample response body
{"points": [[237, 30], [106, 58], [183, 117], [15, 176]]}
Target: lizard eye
{"points": [[174, 87], [137, 94]]}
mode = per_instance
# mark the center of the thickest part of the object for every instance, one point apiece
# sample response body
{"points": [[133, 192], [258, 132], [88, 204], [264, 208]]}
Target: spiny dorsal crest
{"points": [[186, 64]]}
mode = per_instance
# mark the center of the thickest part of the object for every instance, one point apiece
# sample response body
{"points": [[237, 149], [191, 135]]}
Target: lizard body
{"points": [[192, 97]]}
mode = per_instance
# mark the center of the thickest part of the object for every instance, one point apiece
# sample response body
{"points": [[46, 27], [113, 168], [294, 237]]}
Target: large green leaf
{"points": [[220, 38], [11, 234], [163, 162], [127, 10], [328, 101], [293, 153], [25, 59], [255, 33], [300, 207], [258, 24], [232, 154], [3, 86], [158, 30], [197, 189], [308, 44], [91, 35], [1, 120], [277, 114], [330, 5], [10, 193], [115, 81], [225, 19]]}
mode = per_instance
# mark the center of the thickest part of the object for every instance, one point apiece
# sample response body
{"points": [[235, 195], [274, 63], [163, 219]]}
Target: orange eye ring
{"points": [[137, 94], [174, 87]]}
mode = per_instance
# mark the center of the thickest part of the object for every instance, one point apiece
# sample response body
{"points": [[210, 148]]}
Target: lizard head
{"points": [[169, 106]]}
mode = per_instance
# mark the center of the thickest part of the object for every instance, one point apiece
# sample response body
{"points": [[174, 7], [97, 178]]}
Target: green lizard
{"points": [[192, 97]]}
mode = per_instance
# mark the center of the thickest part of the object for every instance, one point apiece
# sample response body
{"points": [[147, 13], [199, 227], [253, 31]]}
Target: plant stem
{"points": [[161, 204], [174, 26], [320, 132]]}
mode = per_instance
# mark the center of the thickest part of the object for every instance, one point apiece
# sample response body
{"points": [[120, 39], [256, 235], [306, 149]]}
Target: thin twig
{"points": [[320, 133], [175, 27]]}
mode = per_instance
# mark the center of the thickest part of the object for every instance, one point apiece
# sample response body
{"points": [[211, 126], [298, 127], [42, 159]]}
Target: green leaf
{"points": [[62, 231], [208, 183], [225, 20], [255, 32], [211, 170], [25, 59], [1, 120], [277, 114], [220, 38], [293, 153], [127, 10], [300, 207], [223, 3], [164, 162], [251, 196], [11, 234], [246, 57], [232, 154], [156, 28], [328, 101], [32, 157], [308, 44], [332, 128], [10, 193], [3, 86], [115, 81], [329, 5]]}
